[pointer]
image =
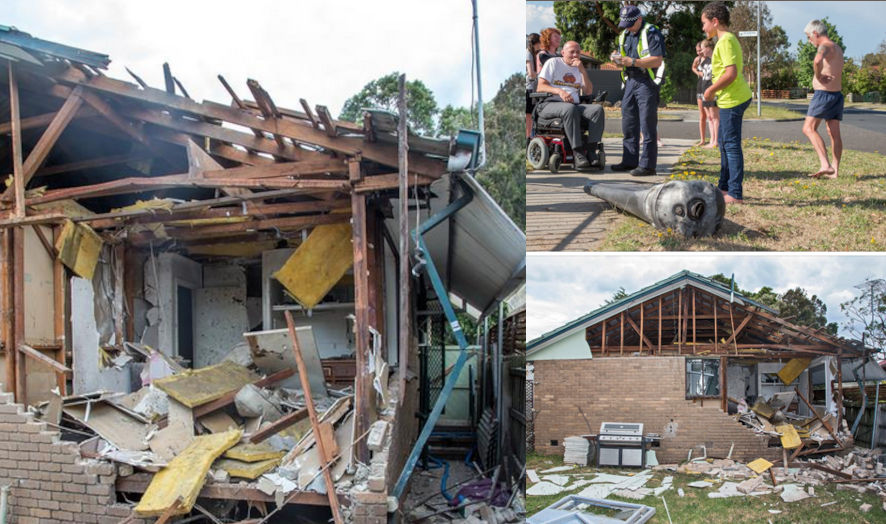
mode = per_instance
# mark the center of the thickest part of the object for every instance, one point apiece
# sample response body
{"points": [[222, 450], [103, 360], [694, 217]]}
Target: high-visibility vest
{"points": [[642, 50]]}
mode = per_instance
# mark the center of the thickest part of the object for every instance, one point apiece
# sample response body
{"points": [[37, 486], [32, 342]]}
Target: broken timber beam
{"points": [[278, 426], [325, 456], [40, 357], [228, 398]]}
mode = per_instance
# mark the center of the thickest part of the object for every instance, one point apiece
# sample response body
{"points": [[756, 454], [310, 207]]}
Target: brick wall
{"points": [[650, 390], [50, 481]]}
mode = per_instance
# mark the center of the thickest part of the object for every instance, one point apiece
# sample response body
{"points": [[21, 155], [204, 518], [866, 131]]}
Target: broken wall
{"points": [[163, 274], [650, 390], [89, 374], [50, 481]]}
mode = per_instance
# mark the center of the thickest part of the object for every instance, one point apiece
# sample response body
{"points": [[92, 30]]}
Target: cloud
{"points": [[323, 52], [538, 16]]}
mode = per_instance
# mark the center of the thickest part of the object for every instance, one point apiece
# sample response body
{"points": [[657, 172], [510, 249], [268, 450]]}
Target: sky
{"points": [[324, 52], [562, 287], [859, 23]]}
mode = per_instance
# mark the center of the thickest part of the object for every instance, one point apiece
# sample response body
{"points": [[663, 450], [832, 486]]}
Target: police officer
{"points": [[641, 53]]}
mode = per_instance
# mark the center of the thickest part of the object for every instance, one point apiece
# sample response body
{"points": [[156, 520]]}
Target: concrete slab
{"points": [[560, 216]]}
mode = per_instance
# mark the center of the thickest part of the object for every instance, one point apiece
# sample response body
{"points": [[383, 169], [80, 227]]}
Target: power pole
{"points": [[759, 13]]}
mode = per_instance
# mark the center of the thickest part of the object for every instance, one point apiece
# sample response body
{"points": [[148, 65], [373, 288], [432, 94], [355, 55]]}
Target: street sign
{"points": [[747, 33]]}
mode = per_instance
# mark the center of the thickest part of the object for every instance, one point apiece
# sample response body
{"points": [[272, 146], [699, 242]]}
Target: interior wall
{"points": [[89, 376], [163, 274], [39, 297]]}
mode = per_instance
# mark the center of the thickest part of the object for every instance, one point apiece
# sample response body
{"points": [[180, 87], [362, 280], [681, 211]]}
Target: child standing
{"points": [[710, 108], [733, 98]]}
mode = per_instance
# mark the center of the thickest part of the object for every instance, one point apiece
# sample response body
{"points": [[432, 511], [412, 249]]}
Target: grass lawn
{"points": [[696, 507], [784, 210]]}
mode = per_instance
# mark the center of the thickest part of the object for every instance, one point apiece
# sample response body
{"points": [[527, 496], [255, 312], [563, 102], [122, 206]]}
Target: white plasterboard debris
{"points": [[666, 484], [681, 492], [597, 491], [793, 493], [775, 511], [282, 484], [559, 480], [577, 484], [638, 494], [558, 469], [532, 476], [544, 488], [728, 489], [699, 484]]}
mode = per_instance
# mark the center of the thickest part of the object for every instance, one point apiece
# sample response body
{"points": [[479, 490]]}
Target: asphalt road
{"points": [[862, 129]]}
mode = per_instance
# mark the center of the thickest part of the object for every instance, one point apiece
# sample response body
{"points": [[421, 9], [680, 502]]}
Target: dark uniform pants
{"points": [[639, 114], [574, 116]]}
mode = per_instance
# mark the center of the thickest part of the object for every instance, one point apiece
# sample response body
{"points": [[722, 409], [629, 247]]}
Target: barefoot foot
{"points": [[825, 171], [732, 200]]}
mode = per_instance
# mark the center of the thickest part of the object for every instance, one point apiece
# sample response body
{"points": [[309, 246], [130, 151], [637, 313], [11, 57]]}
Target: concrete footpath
{"points": [[560, 216]]}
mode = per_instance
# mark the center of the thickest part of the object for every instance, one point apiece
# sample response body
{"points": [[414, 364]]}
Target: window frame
{"points": [[710, 367]]}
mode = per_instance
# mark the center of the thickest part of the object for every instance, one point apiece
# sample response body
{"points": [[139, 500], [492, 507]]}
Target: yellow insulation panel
{"points": [[253, 452], [789, 437], [760, 465], [246, 470], [197, 387], [78, 248], [318, 264], [184, 476], [792, 369]]}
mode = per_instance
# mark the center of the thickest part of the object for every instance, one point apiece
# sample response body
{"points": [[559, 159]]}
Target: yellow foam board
{"points": [[197, 387], [78, 248], [246, 470], [253, 452], [792, 369], [318, 264], [760, 465], [185, 475], [789, 437]]}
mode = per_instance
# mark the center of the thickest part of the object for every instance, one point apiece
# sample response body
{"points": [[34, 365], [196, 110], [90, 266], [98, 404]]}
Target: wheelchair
{"points": [[550, 148]]}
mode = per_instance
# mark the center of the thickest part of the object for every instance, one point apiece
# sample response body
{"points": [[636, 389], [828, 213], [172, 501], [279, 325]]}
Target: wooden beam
{"points": [[326, 118], [91, 163], [723, 385], [278, 426], [40, 357], [327, 166], [18, 170], [621, 333], [18, 308], [138, 483], [118, 121], [295, 130], [639, 332], [271, 223], [309, 113], [693, 315], [716, 337], [404, 316], [363, 388], [44, 145], [389, 181], [680, 320], [741, 326], [659, 324], [228, 398], [818, 417], [325, 455], [603, 339], [8, 307]]}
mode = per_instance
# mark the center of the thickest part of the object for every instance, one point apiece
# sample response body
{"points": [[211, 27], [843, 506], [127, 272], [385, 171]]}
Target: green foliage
{"points": [[806, 54], [503, 176], [776, 65], [618, 295], [794, 305], [867, 313], [454, 118], [863, 79], [382, 94], [595, 26]]}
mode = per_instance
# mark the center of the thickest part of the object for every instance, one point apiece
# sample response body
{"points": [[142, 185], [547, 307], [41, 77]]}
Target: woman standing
{"points": [[550, 42], [710, 108], [533, 44]]}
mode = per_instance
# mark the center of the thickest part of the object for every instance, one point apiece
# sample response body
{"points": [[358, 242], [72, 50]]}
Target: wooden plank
{"points": [[118, 121], [18, 309], [603, 339], [388, 181], [325, 456], [723, 385], [693, 318], [659, 324], [330, 166], [49, 137], [680, 321], [278, 426], [621, 333], [363, 388], [18, 170], [40, 357], [91, 163], [228, 398], [292, 129], [138, 483], [326, 118], [716, 337], [639, 332], [309, 113], [816, 415], [6, 318], [741, 326]]}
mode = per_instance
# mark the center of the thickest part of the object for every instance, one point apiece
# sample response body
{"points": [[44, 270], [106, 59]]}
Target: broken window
{"points": [[702, 378]]}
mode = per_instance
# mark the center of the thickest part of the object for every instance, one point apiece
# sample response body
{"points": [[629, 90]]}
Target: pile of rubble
{"points": [[244, 422]]}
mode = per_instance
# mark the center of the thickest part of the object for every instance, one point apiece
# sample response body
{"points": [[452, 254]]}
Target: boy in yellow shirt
{"points": [[733, 97]]}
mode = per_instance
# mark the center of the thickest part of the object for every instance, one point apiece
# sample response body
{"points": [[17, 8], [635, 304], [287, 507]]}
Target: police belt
{"points": [[637, 73]]}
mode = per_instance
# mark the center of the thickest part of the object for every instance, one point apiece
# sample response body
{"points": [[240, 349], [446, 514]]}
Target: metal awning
{"points": [[487, 251]]}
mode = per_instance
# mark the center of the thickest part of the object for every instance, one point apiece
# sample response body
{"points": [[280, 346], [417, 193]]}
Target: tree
{"points": [[776, 65], [867, 313], [877, 58], [595, 26], [618, 295], [382, 94], [806, 54], [503, 176], [454, 118], [794, 305]]}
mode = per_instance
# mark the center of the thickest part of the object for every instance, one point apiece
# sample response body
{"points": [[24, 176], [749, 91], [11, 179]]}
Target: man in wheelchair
{"points": [[566, 80]]}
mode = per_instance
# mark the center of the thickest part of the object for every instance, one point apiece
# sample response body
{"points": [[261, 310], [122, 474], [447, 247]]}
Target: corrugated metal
{"points": [[22, 40], [488, 251]]}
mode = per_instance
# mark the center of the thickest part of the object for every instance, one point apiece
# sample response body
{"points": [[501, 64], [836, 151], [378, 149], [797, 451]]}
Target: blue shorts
{"points": [[827, 105]]}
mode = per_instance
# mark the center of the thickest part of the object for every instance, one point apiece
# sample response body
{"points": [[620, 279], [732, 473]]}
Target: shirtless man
{"points": [[827, 101]]}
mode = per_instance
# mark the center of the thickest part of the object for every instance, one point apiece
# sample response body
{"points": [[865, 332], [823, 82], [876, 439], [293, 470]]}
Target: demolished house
{"points": [[215, 308], [683, 369]]}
